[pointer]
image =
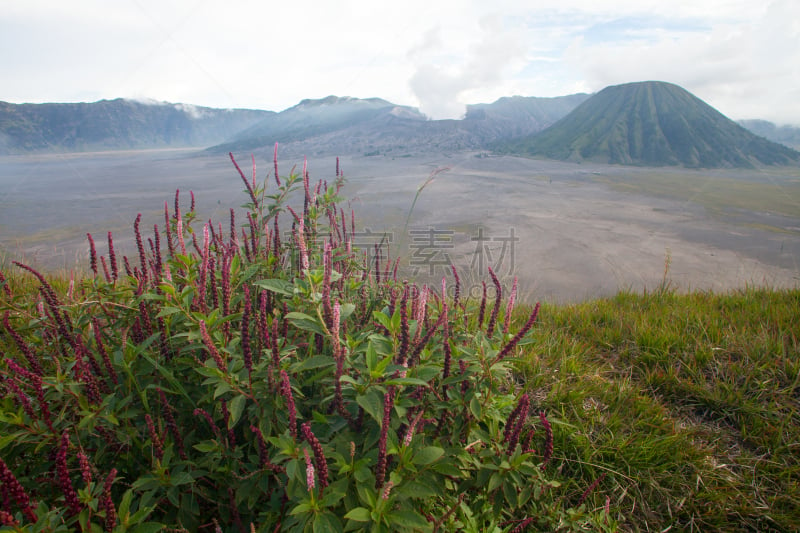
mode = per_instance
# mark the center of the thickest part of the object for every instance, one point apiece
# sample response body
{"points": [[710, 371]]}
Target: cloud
{"points": [[744, 70], [441, 80], [739, 55]]}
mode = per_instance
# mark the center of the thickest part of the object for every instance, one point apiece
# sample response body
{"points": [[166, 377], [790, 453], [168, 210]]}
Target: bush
{"points": [[269, 382]]}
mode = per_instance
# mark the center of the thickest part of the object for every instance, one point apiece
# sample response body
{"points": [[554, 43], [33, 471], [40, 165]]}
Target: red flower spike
{"points": [[92, 254], [62, 474], [286, 391], [518, 337], [319, 457], [107, 504], [158, 447], [498, 296], [380, 467], [548, 440], [15, 491]]}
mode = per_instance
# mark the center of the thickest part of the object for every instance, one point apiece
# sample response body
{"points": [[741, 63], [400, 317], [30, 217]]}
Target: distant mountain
{"points": [[785, 135], [314, 118], [374, 126], [519, 116], [651, 124], [646, 123], [116, 124]]}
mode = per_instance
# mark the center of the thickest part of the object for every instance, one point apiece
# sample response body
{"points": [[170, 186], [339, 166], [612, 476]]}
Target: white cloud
{"points": [[440, 83], [744, 70], [740, 55]]}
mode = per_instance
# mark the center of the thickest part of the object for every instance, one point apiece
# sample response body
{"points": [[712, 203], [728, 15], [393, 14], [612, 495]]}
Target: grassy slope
{"points": [[688, 403]]}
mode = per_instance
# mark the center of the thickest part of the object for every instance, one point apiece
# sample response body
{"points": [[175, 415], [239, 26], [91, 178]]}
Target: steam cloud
{"points": [[439, 86]]}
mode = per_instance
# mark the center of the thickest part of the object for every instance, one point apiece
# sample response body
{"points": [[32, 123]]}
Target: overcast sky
{"points": [[741, 56]]}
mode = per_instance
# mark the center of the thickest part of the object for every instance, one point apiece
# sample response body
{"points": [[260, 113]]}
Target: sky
{"points": [[740, 56]]}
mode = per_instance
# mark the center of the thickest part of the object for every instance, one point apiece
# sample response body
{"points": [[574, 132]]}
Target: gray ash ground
{"points": [[560, 230]]}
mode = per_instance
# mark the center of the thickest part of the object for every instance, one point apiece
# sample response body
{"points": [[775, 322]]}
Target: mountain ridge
{"points": [[785, 134], [376, 126], [116, 124], [641, 123]]}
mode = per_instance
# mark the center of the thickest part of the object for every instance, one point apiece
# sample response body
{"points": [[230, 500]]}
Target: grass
{"points": [[688, 403]]}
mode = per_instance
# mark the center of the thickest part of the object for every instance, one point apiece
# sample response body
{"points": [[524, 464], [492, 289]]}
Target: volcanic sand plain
{"points": [[568, 231]]}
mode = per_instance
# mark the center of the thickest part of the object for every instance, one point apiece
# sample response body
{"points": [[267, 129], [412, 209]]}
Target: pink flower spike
{"points": [[337, 313], [301, 244], [320, 462], [510, 306], [253, 157], [387, 489], [309, 471]]}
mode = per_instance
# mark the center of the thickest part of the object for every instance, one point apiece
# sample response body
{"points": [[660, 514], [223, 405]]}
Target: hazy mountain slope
{"points": [[518, 116], [652, 124], [116, 124], [313, 118], [785, 135], [352, 125]]}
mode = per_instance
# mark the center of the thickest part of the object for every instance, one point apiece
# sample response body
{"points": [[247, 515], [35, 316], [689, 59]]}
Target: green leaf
{"points": [[406, 381], [206, 447], [146, 482], [371, 357], [125, 504], [8, 439], [166, 311], [475, 407], [510, 494], [222, 388], [327, 523], [346, 310], [410, 519], [300, 509], [331, 497], [494, 481], [427, 455], [280, 286], [426, 373], [305, 322], [236, 408], [419, 490], [372, 403], [382, 319], [181, 478], [359, 514], [380, 368], [448, 469], [347, 379]]}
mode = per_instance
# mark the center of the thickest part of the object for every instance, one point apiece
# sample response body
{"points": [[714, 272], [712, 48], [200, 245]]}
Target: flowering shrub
{"points": [[262, 381]]}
